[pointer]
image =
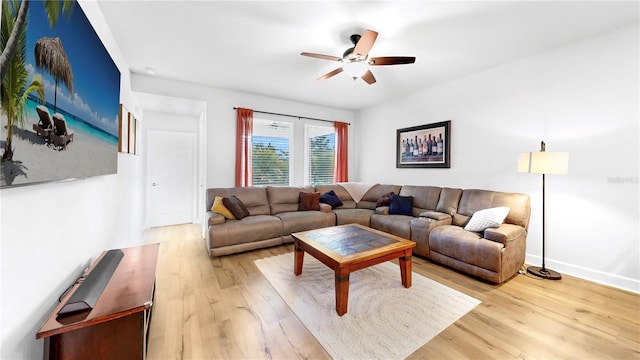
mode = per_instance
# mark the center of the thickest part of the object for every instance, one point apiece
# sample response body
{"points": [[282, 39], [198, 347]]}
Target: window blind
{"points": [[320, 145], [271, 152]]}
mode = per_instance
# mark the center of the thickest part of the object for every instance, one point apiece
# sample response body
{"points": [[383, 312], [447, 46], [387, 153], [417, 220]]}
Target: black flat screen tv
{"points": [[73, 132]]}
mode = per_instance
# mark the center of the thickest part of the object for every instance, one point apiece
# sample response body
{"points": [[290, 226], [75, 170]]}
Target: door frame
{"points": [[169, 105]]}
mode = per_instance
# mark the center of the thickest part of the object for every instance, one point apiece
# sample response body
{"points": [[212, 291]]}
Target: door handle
{"points": [[154, 184]]}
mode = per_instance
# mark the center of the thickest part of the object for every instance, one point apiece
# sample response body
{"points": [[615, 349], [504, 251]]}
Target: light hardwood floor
{"points": [[223, 308]]}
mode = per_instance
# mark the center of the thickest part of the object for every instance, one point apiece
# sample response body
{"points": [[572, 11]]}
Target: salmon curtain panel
{"points": [[244, 132], [341, 173]]}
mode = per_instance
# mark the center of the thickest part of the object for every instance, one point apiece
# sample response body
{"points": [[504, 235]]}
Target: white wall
{"points": [[582, 98], [50, 232], [221, 119]]}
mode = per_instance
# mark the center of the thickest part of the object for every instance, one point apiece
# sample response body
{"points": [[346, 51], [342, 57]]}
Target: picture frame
{"points": [[123, 130], [424, 146], [80, 97], [132, 133]]}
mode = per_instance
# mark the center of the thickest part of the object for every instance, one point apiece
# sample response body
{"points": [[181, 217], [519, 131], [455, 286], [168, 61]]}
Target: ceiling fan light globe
{"points": [[355, 69]]}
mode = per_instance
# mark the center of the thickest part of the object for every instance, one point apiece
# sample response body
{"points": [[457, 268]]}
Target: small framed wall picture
{"points": [[133, 127], [424, 146], [123, 130]]}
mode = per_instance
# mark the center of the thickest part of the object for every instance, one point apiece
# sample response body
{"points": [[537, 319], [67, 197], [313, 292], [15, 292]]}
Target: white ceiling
{"points": [[255, 47]]}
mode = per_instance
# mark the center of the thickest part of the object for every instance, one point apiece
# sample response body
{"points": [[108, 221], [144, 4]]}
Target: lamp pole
{"points": [[543, 272]]}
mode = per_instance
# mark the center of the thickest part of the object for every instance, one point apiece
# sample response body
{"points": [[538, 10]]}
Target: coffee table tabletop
{"points": [[348, 248]]}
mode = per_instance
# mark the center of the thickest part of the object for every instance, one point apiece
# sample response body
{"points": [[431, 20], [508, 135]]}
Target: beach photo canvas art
{"points": [[60, 97]]}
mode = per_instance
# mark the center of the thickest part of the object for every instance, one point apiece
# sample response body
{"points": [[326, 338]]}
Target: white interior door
{"points": [[171, 177]]}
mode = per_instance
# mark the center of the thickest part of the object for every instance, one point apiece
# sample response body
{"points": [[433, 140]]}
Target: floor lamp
{"points": [[543, 162]]}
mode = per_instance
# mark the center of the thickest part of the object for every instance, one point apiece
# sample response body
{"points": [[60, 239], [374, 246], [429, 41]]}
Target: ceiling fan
{"points": [[356, 59]]}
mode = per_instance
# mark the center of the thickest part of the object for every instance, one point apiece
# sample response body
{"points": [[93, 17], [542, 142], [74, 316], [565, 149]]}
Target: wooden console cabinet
{"points": [[117, 326]]}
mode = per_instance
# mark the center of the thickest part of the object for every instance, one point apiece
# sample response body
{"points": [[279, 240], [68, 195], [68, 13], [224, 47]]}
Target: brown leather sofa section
{"points": [[495, 254]]}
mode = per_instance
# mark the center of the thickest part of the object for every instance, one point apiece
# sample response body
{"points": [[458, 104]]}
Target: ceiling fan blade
{"points": [[392, 60], [330, 74], [368, 77], [320, 56], [365, 43]]}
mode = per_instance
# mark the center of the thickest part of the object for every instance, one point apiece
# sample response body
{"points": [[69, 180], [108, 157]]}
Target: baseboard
{"points": [[600, 277]]}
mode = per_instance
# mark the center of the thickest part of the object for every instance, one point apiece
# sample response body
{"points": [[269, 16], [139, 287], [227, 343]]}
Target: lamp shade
{"points": [[543, 162]]}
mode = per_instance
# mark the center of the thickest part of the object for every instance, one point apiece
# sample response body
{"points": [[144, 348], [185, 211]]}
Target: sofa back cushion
{"points": [[285, 198], [254, 198], [424, 197], [449, 200], [370, 198], [342, 193], [473, 200]]}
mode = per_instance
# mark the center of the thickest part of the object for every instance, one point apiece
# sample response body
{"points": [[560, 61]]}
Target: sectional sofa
{"points": [[436, 221]]}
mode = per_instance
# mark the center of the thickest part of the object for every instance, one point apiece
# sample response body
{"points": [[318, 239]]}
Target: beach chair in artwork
{"points": [[61, 134], [44, 127]]}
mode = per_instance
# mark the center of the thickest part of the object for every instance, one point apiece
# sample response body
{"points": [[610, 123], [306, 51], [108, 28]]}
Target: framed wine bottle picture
{"points": [[424, 146]]}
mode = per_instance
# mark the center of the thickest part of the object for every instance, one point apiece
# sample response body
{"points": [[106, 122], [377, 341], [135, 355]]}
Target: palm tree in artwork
{"points": [[14, 88], [51, 57], [53, 8]]}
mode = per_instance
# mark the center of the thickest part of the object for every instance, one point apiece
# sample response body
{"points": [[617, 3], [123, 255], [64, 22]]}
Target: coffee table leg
{"points": [[297, 260], [405, 268], [342, 291]]}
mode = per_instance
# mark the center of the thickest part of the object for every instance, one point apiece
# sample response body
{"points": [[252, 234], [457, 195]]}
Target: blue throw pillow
{"points": [[331, 198], [401, 205]]}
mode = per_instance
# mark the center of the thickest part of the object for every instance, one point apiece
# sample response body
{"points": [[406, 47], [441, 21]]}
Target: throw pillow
{"points": [[401, 205], [331, 198], [308, 201], [487, 218], [384, 200], [218, 207], [236, 207]]}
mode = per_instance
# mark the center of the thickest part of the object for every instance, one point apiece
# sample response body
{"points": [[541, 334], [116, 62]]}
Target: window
{"points": [[271, 148], [275, 144], [320, 141]]}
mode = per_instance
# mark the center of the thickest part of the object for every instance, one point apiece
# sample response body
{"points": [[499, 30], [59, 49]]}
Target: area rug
{"points": [[384, 320]]}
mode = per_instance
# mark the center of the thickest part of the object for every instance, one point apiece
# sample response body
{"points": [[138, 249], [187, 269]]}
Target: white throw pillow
{"points": [[487, 218]]}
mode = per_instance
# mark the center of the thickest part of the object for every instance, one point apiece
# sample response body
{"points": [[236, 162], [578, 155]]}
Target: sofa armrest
{"points": [[435, 215], [215, 218], [325, 207], [505, 233], [382, 210]]}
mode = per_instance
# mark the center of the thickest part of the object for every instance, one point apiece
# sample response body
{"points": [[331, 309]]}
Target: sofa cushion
{"points": [[285, 198], [219, 208], [384, 200], [247, 230], [341, 193], [296, 221], [449, 199], [353, 216], [401, 205], [331, 198], [487, 218], [236, 207], [308, 201], [424, 197], [473, 200], [466, 246], [370, 198], [253, 197], [399, 225]]}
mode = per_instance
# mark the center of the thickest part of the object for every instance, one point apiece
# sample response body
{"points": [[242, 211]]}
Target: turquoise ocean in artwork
{"points": [[74, 123]]}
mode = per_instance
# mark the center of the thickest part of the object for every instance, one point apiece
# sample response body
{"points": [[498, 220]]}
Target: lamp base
{"points": [[544, 273]]}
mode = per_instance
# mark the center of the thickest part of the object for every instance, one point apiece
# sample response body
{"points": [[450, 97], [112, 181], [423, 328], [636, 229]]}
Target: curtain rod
{"points": [[293, 116]]}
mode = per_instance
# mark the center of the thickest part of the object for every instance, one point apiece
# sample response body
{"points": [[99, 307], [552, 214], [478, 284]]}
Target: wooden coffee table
{"points": [[347, 248]]}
